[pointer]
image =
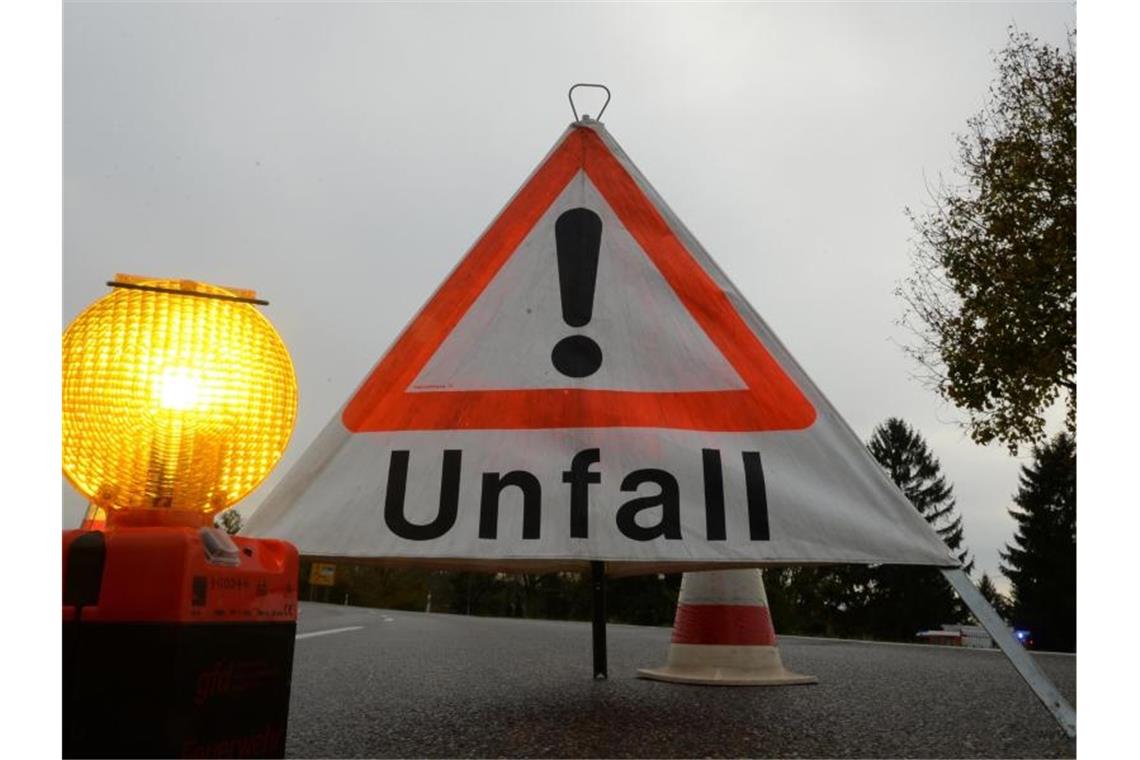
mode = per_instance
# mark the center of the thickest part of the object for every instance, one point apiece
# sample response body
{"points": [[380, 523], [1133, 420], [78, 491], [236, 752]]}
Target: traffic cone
{"points": [[723, 634]]}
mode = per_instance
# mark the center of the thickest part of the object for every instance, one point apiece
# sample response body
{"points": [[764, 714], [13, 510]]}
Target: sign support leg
{"points": [[1021, 660], [598, 578]]}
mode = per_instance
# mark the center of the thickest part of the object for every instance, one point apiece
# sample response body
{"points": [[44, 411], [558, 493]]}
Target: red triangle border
{"points": [[771, 400]]}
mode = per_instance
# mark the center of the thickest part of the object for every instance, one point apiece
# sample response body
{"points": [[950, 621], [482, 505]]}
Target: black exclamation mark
{"points": [[578, 237]]}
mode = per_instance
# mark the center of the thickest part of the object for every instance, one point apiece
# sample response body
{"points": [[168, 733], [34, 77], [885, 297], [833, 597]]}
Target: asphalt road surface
{"points": [[407, 684]]}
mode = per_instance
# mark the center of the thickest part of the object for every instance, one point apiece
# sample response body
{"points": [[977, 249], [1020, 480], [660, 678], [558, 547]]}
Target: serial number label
{"points": [[229, 583]]}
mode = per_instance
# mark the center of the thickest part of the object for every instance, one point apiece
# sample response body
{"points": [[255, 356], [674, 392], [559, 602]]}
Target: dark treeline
{"points": [[824, 601], [641, 600], [886, 603]]}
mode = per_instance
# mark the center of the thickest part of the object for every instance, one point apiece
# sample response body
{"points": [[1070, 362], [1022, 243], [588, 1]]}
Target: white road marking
{"points": [[331, 630]]}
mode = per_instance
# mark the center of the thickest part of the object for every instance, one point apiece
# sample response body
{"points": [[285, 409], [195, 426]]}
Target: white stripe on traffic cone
{"points": [[723, 634]]}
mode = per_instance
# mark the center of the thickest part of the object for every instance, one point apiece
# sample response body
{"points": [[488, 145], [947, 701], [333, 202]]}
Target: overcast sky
{"points": [[340, 159]]}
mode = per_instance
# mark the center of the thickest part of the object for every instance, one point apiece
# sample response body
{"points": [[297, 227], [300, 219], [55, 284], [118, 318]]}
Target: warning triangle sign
{"points": [[588, 385], [579, 307]]}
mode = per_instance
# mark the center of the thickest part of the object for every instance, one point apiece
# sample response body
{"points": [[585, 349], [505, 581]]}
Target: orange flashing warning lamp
{"points": [[178, 400]]}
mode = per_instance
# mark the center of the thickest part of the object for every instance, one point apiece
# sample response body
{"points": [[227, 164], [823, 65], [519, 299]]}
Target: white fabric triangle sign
{"points": [[587, 385]]}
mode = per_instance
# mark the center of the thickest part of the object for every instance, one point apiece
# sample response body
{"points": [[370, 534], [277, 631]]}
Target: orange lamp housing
{"points": [[178, 399]]}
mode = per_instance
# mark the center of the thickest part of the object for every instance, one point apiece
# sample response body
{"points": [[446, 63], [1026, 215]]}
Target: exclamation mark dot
{"points": [[578, 237]]}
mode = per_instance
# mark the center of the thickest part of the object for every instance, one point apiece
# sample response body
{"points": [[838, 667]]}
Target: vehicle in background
{"points": [[970, 636]]}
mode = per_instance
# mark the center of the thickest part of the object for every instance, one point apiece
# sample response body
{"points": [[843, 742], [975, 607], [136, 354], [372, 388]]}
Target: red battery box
{"points": [[177, 642]]}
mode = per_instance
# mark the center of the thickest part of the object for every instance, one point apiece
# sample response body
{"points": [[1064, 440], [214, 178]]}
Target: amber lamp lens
{"points": [[173, 399]]}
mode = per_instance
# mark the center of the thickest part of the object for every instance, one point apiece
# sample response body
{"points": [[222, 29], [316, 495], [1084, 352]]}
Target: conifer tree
{"points": [[903, 600], [903, 453], [996, 599], [1041, 563]]}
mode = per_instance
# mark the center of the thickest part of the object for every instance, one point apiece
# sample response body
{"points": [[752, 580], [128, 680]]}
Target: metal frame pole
{"points": [[1022, 662], [598, 581]]}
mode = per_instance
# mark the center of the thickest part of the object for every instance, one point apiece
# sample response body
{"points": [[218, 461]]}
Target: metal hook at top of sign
{"points": [[586, 116]]}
